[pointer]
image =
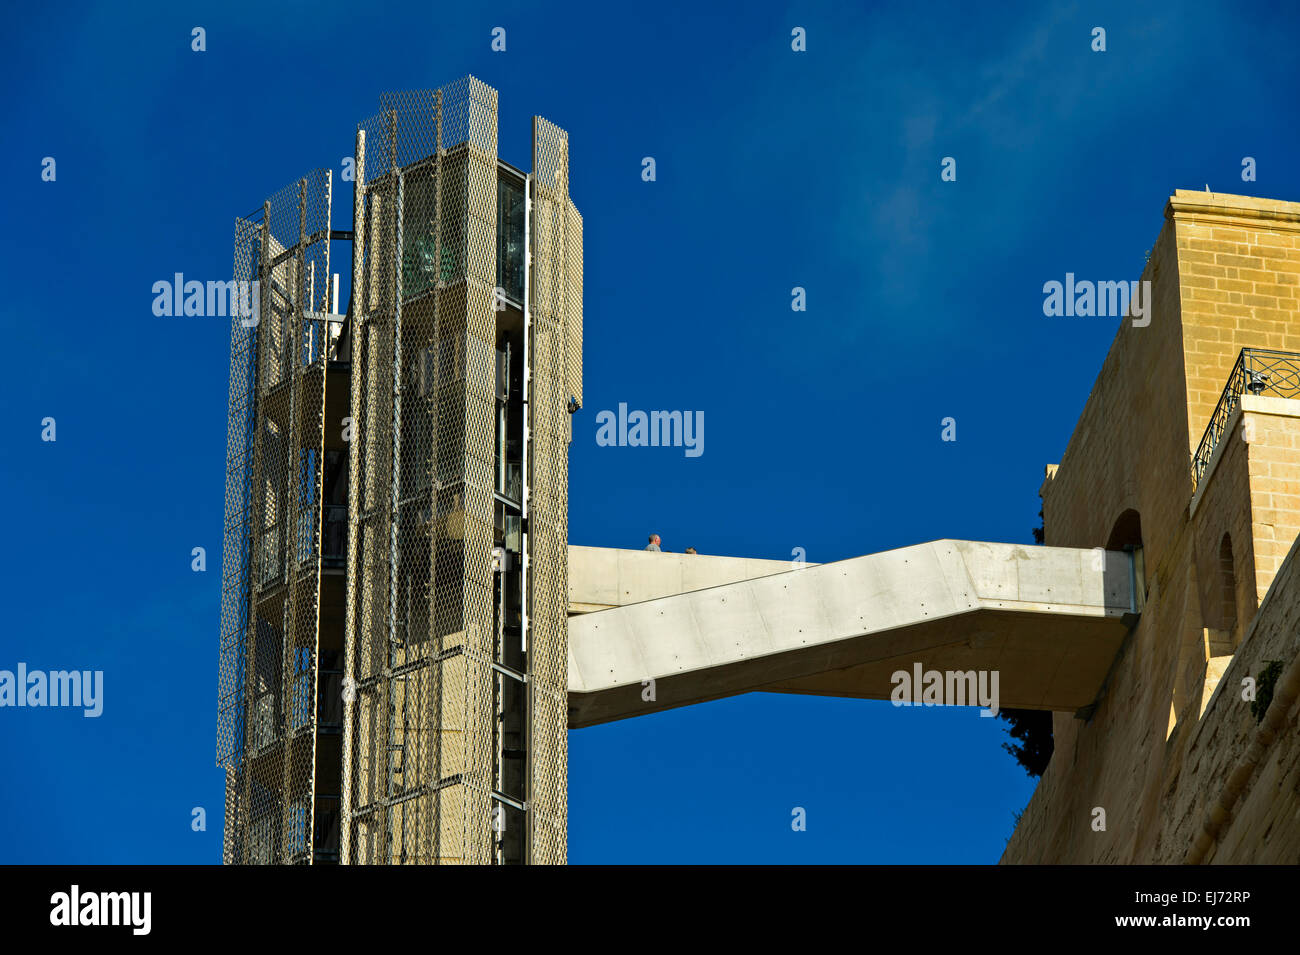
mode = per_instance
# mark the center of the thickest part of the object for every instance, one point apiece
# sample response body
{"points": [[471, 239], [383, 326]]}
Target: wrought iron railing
{"points": [[1259, 371]]}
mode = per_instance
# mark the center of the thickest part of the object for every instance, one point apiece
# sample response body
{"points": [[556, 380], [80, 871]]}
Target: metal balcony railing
{"points": [[1259, 371]]}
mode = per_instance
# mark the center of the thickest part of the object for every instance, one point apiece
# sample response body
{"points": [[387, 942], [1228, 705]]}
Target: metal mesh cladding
{"points": [[432, 710], [552, 305], [573, 301], [418, 731], [267, 694]]}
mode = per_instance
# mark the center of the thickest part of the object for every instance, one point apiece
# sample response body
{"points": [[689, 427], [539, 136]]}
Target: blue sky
{"points": [[775, 169]]}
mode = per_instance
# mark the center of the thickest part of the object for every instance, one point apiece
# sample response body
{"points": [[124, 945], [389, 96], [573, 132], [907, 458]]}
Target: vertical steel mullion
{"points": [[394, 462], [321, 358], [548, 459], [289, 617], [356, 333], [433, 714], [500, 601], [377, 516], [525, 544], [236, 537], [526, 438], [257, 506]]}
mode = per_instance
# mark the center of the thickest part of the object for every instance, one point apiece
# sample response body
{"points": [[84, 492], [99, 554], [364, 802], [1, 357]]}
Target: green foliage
{"points": [[1033, 729]]}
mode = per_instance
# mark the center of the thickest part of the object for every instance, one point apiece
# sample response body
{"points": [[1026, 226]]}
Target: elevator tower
{"points": [[394, 608]]}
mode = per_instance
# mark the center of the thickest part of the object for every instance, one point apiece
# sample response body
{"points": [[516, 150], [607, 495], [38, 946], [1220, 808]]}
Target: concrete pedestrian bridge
{"points": [[1050, 620]]}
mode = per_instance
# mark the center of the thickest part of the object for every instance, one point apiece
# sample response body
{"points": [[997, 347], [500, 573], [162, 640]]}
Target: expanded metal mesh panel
{"points": [[377, 718], [469, 116], [573, 301], [551, 303], [420, 731], [271, 573], [235, 545], [443, 743]]}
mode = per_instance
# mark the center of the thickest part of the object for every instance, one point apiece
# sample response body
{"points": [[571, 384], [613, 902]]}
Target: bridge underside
{"points": [[1048, 620]]}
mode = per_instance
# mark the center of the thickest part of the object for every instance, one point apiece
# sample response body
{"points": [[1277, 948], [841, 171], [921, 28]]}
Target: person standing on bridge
{"points": [[654, 543]]}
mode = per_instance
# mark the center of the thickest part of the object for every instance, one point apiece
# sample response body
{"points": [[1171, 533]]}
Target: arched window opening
{"points": [[1126, 535], [1227, 598]]}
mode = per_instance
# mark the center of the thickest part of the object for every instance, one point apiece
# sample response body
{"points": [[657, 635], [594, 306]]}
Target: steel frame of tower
{"points": [[455, 651], [271, 552], [554, 323]]}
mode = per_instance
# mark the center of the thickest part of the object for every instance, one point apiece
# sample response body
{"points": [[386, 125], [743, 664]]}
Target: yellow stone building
{"points": [[1189, 449]]}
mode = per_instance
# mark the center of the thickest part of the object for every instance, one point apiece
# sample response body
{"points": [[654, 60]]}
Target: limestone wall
{"points": [[1263, 825], [1225, 272]]}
